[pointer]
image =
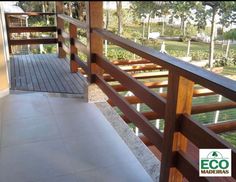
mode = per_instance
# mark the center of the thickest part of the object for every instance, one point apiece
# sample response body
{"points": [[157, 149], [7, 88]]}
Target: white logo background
{"points": [[220, 153]]}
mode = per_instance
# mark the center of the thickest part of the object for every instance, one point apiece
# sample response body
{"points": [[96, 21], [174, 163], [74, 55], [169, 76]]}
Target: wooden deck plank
{"points": [[63, 74], [34, 79], [12, 71], [45, 73], [22, 74], [42, 73], [66, 73], [76, 78], [27, 74], [17, 73], [51, 80], [38, 75], [59, 74], [55, 77]]}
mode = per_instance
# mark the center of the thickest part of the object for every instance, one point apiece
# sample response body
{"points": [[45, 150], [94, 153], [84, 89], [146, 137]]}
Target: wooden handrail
{"points": [[75, 22], [144, 75], [130, 62], [222, 127], [80, 46], [33, 41], [31, 29], [30, 14], [65, 35], [148, 96], [147, 128], [82, 64], [210, 80]]}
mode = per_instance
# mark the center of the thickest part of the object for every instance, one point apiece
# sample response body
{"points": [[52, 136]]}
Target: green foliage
{"points": [[114, 54], [225, 62], [230, 35]]}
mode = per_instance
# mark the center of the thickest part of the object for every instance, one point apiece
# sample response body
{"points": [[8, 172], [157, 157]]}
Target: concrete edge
{"points": [[146, 158]]}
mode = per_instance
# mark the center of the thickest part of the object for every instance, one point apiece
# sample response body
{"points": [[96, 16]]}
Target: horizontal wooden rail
{"points": [[157, 84], [203, 137], [148, 115], [140, 121], [130, 62], [142, 75], [82, 64], [73, 21], [31, 29], [213, 107], [65, 35], [66, 48], [30, 14], [222, 126], [210, 80], [195, 110], [81, 47], [188, 168], [147, 67], [33, 41], [154, 101]]}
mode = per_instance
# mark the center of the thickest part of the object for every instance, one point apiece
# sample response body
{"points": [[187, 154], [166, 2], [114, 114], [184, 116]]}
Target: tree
{"points": [[145, 9], [182, 10], [230, 35], [223, 8], [119, 16], [163, 12]]}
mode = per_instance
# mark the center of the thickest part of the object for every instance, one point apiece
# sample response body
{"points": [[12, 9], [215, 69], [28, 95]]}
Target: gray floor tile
{"points": [[27, 130], [83, 122], [25, 105], [95, 151], [64, 178], [120, 172], [35, 161], [65, 105]]}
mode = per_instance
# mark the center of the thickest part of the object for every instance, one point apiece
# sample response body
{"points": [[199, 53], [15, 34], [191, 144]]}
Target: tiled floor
{"points": [[54, 139]]}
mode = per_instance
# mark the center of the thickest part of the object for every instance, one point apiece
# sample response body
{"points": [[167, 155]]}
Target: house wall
{"points": [[4, 57]]}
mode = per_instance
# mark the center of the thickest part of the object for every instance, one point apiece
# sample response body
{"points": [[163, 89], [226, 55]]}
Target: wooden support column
{"points": [[73, 49], [60, 27], [179, 101], [95, 44]]}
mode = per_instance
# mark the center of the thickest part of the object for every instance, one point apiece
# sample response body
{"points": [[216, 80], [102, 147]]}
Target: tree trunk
{"points": [[143, 33], [107, 19], [69, 9], [227, 49], [163, 26], [119, 16], [149, 27], [184, 29], [188, 50], [211, 49]]}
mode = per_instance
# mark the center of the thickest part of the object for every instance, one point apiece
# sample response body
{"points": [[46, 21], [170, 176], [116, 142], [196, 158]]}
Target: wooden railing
{"points": [[174, 106], [74, 43], [28, 29]]}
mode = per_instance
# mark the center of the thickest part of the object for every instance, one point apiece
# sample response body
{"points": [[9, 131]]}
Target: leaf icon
{"points": [[214, 154]]}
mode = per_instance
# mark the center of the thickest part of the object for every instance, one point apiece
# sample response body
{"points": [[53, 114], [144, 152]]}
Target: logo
{"points": [[215, 162]]}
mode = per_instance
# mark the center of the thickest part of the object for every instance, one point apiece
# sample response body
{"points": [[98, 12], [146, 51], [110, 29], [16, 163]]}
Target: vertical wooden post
{"points": [[179, 101], [73, 49], [95, 42], [8, 34], [60, 27]]}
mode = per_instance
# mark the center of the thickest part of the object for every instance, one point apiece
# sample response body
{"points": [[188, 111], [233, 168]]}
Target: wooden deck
{"points": [[44, 73]]}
